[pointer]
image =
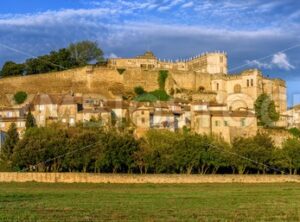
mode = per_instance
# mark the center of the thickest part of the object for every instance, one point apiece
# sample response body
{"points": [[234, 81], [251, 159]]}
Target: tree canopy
{"points": [[265, 110], [75, 55], [20, 97]]}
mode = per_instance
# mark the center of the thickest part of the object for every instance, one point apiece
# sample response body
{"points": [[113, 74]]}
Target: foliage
{"points": [[161, 95], [162, 77], [85, 52], [75, 55], [30, 120], [20, 97], [291, 155], [121, 70], [12, 69], [295, 132], [265, 110], [139, 90], [146, 97], [11, 140], [252, 153], [55, 61], [86, 149]]}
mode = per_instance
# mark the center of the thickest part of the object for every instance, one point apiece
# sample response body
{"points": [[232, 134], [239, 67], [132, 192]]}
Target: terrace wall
{"points": [[139, 179]]}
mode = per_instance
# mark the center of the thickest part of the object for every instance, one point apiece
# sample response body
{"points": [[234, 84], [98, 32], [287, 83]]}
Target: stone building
{"points": [[206, 98], [206, 76], [293, 116]]}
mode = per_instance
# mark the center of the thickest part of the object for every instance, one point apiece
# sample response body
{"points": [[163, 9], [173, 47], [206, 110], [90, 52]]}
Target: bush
{"points": [[295, 132], [160, 95], [121, 71], [146, 98], [163, 75], [20, 97], [139, 90]]}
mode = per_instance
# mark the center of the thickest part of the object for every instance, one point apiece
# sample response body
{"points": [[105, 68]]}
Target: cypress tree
{"points": [[12, 138], [30, 121]]}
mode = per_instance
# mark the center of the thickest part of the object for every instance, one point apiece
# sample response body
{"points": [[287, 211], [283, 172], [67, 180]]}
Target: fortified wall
{"points": [[204, 75]]}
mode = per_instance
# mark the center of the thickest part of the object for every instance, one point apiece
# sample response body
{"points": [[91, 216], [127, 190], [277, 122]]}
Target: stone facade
{"points": [[205, 97], [9, 177]]}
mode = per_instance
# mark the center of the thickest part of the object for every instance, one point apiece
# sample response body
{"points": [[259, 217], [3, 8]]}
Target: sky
{"points": [[262, 34]]}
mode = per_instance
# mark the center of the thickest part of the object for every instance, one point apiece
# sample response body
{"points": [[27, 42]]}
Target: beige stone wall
{"points": [[145, 78], [140, 179], [279, 136]]}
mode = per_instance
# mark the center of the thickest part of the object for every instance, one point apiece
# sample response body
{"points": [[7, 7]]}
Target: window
{"points": [[143, 112], [143, 66], [217, 86], [216, 123], [225, 123], [42, 107], [237, 88], [9, 114], [143, 120], [252, 82], [221, 59], [248, 83]]}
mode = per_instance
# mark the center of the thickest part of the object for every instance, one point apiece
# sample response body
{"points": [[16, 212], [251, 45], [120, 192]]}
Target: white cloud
{"points": [[52, 17], [258, 64], [188, 5], [281, 60], [170, 5]]}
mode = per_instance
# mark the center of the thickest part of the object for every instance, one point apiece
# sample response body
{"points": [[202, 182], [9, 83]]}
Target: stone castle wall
{"points": [[141, 179]]}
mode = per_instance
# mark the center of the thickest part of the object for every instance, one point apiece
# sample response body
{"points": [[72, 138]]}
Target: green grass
{"points": [[148, 202]]}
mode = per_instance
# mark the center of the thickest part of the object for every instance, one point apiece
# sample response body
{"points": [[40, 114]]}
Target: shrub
{"points": [[20, 97], [121, 71], [139, 90], [295, 132], [160, 95], [163, 75], [146, 98]]}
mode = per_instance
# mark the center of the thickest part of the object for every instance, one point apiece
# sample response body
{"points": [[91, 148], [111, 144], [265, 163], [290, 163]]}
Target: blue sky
{"points": [[256, 34]]}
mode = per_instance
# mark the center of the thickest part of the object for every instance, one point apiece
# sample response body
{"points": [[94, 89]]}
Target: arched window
{"points": [[237, 88]]}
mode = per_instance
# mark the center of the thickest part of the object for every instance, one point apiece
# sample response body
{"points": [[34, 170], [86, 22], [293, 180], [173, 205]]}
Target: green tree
{"points": [[265, 110], [20, 97], [162, 77], [295, 132], [85, 52], [263, 152], [30, 120], [291, 155], [12, 138], [139, 90], [241, 154], [12, 69], [41, 149]]}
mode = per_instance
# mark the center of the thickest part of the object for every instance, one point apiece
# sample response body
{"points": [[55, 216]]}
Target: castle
{"points": [[207, 74], [205, 98]]}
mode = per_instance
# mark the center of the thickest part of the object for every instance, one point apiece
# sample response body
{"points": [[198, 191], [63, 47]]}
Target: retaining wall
{"points": [[136, 178]]}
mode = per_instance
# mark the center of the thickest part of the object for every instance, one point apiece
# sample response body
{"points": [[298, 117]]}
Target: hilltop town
{"points": [[201, 96]]}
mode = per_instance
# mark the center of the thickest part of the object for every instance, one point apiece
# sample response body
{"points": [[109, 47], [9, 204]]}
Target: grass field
{"points": [[148, 202]]}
